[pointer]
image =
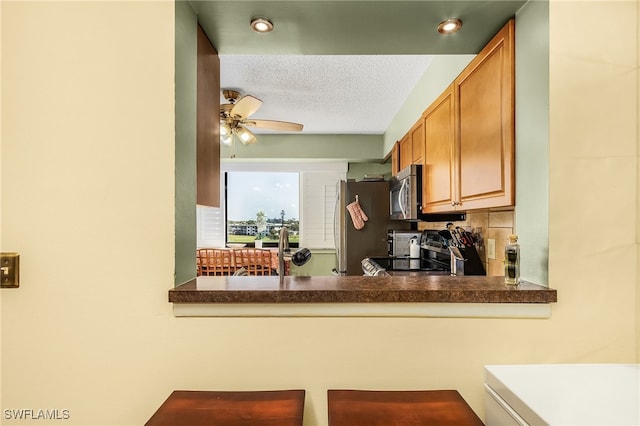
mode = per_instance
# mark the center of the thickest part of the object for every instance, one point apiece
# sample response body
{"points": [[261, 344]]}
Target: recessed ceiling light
{"points": [[449, 26], [261, 25]]}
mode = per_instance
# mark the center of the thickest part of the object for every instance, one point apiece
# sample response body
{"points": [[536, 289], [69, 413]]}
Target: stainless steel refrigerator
{"points": [[353, 245]]}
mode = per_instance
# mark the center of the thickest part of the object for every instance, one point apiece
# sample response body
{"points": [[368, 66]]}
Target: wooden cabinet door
{"points": [[485, 113], [417, 142], [406, 154], [207, 123], [439, 163], [395, 159]]}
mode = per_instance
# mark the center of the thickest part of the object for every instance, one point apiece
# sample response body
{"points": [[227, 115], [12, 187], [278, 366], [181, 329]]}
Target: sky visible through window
{"points": [[250, 192]]}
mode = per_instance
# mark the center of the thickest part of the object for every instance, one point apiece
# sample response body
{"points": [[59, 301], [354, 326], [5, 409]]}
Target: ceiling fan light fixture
{"points": [[226, 140], [225, 130], [449, 26], [245, 136], [261, 25]]}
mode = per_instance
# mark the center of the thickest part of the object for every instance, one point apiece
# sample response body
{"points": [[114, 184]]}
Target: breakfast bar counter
{"points": [[434, 295]]}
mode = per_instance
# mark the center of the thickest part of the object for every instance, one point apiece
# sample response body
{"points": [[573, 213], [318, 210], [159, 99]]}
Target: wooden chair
{"points": [[199, 256], [255, 261], [203, 259], [215, 261], [406, 408], [263, 261], [244, 408]]}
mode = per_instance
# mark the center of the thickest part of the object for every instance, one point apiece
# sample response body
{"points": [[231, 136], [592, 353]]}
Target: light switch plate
{"points": [[9, 270], [491, 248]]}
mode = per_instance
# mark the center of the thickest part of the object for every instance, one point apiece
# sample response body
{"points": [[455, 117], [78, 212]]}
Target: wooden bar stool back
{"points": [[204, 261], [199, 256], [243, 408], [406, 408], [215, 262], [262, 262], [255, 261], [223, 261]]}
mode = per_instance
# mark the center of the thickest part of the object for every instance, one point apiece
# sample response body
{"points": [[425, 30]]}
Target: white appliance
{"points": [[562, 395]]}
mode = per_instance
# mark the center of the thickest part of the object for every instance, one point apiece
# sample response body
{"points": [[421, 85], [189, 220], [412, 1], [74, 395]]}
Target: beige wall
{"points": [[1, 186], [638, 208], [87, 200]]}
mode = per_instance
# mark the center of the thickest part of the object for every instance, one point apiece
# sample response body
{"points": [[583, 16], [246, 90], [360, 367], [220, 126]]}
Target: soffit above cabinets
{"points": [[340, 67], [353, 27]]}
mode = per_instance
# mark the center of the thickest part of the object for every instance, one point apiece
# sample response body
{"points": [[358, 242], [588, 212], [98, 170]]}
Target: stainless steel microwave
{"points": [[405, 196]]}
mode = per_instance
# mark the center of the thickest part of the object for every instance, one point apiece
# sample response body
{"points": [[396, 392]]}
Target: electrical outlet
{"points": [[491, 248]]}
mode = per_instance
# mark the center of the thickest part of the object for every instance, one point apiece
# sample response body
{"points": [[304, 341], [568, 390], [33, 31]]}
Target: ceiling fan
{"points": [[234, 119]]}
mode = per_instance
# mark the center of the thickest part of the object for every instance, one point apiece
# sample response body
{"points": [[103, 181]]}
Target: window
{"points": [[308, 192], [259, 204]]}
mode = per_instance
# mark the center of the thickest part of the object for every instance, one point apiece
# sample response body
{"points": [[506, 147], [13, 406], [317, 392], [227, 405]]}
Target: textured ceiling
{"points": [[341, 67], [328, 94]]}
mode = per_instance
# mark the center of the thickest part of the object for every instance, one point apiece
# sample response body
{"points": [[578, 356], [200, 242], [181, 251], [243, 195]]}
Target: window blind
{"points": [[318, 193], [210, 227]]}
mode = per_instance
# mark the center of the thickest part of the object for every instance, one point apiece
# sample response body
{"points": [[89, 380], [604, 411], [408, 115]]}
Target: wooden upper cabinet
{"points": [[439, 164], [395, 159], [469, 146], [406, 153], [207, 123], [417, 142], [411, 146], [485, 112]]}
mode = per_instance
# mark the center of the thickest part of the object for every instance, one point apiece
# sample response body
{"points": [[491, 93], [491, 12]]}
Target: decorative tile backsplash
{"points": [[488, 225]]}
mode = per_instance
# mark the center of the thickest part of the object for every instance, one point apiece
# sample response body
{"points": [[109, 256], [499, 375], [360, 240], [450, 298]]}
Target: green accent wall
{"points": [[532, 140], [357, 171], [185, 145], [321, 264], [271, 147]]}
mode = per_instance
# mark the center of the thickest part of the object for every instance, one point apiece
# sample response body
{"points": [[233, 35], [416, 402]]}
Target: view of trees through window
{"points": [[259, 204]]}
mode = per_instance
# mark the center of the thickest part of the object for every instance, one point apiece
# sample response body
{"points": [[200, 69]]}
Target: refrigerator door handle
{"points": [[336, 234], [336, 242]]}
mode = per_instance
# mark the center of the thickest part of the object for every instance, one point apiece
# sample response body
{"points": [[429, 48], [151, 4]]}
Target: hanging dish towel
{"points": [[358, 217]]}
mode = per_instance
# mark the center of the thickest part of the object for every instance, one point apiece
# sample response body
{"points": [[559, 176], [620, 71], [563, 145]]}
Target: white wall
{"points": [[87, 199]]}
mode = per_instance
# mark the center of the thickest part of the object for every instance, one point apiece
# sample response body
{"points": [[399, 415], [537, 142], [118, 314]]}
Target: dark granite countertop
{"points": [[359, 289]]}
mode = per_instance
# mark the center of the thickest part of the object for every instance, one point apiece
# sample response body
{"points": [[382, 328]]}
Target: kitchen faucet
{"points": [[299, 258], [283, 246]]}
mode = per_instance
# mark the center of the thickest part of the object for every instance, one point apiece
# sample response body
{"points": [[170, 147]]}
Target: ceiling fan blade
{"points": [[246, 106], [274, 125]]}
